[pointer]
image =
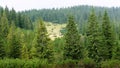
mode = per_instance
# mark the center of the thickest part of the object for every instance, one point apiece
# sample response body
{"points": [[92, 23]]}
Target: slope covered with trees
{"points": [[24, 44], [81, 14]]}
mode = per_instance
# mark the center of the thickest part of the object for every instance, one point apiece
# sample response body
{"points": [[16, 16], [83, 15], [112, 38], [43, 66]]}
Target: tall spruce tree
{"points": [[4, 25], [13, 15], [14, 42], [43, 42], [108, 37], [24, 49], [73, 48], [3, 34], [94, 38], [33, 50]]}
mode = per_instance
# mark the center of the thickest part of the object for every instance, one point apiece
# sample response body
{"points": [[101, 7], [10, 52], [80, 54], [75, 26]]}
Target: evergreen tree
{"points": [[1, 12], [14, 43], [13, 15], [19, 20], [108, 37], [7, 13], [33, 50], [43, 42], [24, 49], [4, 25], [3, 34], [73, 48], [94, 38], [27, 23]]}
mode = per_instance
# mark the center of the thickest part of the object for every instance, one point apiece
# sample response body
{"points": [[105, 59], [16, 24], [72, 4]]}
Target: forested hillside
{"points": [[89, 39], [80, 13]]}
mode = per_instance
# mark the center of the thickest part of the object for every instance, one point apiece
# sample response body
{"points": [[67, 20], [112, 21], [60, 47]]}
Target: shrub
{"points": [[87, 63], [110, 64], [69, 63], [18, 63]]}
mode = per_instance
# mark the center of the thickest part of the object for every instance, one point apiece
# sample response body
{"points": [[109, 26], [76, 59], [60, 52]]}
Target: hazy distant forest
{"points": [[91, 38]]}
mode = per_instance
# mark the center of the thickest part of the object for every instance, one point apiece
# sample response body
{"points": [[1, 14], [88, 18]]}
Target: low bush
{"points": [[110, 64], [69, 63], [66, 64], [87, 63], [18, 63]]}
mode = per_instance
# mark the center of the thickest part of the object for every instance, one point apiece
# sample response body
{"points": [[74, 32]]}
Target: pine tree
{"points": [[33, 50], [43, 42], [108, 37], [13, 15], [3, 34], [14, 43], [24, 49], [94, 38], [10, 39], [1, 12], [4, 25], [27, 23], [73, 48], [7, 14]]}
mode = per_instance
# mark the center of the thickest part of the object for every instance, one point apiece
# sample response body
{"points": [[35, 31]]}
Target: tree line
{"points": [[20, 20]]}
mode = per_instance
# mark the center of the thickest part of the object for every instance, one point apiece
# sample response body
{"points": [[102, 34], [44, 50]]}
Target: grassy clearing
{"points": [[54, 29]]}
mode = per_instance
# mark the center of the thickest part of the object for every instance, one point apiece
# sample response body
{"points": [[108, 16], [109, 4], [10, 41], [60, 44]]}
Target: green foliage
{"points": [[24, 52], [81, 14], [33, 52], [43, 42], [110, 64], [4, 25], [72, 48], [2, 48], [18, 63], [19, 19], [68, 63], [13, 43], [24, 49], [87, 63], [116, 52], [94, 38], [108, 38], [34, 48], [3, 34], [58, 45]]}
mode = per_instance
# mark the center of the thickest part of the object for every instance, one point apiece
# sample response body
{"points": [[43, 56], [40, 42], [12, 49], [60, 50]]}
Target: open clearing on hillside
{"points": [[54, 29]]}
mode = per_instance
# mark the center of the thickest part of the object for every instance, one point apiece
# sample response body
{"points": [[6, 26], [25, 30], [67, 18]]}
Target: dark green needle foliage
{"points": [[73, 48], [3, 34], [93, 37], [13, 42], [43, 42], [108, 37]]}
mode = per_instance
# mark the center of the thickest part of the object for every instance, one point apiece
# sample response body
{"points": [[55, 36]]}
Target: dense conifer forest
{"points": [[91, 38]]}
